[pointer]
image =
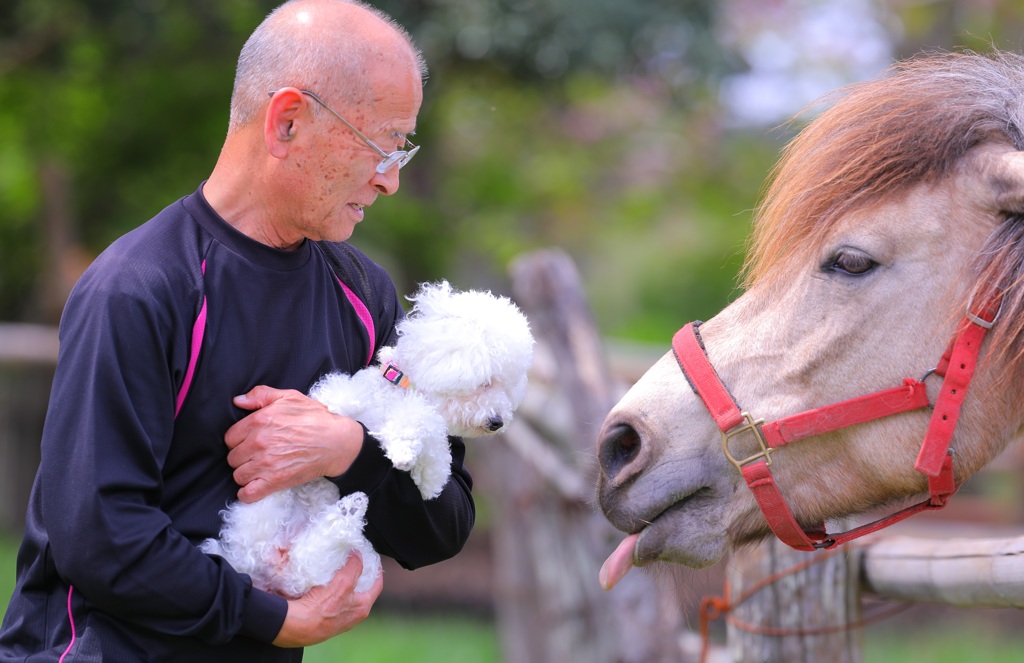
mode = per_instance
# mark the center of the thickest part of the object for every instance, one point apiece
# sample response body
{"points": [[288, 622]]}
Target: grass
{"points": [[925, 634], [383, 638], [8, 554], [938, 634], [939, 646]]}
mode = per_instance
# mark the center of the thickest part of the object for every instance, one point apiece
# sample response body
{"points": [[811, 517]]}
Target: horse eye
{"points": [[850, 262]]}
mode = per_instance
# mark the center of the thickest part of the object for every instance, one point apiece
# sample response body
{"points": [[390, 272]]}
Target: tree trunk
{"points": [[549, 538]]}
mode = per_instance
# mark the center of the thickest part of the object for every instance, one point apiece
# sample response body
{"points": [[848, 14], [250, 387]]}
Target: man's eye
{"points": [[850, 262]]}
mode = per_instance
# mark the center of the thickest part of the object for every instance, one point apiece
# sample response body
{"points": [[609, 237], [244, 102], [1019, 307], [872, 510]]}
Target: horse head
{"points": [[888, 217]]}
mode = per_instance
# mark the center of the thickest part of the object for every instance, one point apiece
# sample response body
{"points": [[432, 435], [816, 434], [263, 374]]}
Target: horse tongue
{"points": [[618, 563]]}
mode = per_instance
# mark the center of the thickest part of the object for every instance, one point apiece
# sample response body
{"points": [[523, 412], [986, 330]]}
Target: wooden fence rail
{"points": [[958, 572]]}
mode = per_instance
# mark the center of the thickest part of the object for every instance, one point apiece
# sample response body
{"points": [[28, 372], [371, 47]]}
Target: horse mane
{"points": [[877, 139]]}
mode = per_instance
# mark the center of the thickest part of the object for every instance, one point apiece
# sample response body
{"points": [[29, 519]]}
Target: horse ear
{"points": [[1004, 173]]}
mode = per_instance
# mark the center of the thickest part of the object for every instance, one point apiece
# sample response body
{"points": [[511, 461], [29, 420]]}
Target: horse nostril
{"points": [[618, 448], [494, 424]]}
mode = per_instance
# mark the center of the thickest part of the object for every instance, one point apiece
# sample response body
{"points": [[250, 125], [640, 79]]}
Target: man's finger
{"points": [[348, 575], [254, 491], [350, 572], [257, 397]]}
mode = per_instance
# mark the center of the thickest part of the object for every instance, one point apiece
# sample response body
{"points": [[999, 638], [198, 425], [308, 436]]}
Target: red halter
{"points": [[935, 459]]}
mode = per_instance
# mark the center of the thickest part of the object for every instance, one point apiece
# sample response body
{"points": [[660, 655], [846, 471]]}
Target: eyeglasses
{"points": [[398, 157]]}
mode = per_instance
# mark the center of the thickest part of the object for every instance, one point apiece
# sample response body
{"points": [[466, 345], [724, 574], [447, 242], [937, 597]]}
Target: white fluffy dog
{"points": [[458, 368]]}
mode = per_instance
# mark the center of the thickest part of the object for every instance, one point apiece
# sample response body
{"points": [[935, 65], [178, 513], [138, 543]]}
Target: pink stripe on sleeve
{"points": [[364, 317], [71, 619], [198, 329]]}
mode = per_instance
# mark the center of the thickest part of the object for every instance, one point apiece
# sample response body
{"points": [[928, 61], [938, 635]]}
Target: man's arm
{"points": [[289, 439], [423, 532], [105, 441]]}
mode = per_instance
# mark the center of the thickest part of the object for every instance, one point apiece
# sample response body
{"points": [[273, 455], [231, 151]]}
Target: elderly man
{"points": [[186, 349]]}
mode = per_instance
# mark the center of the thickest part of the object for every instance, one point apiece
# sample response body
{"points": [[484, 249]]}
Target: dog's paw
{"points": [[400, 444]]}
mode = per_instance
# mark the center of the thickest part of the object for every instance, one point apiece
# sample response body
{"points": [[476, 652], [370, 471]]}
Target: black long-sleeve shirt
{"points": [[126, 490]]}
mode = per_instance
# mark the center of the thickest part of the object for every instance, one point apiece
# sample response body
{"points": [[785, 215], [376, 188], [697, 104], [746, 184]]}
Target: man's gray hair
{"points": [[274, 57]]}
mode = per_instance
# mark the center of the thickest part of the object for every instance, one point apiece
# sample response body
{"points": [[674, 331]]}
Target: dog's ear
{"points": [[448, 354], [433, 299], [460, 341]]}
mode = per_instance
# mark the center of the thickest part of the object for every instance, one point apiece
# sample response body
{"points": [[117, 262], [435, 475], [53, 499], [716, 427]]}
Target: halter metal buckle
{"points": [[753, 426], [976, 317]]}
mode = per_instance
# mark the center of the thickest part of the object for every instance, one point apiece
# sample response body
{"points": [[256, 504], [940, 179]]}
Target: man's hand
{"points": [[288, 440], [326, 611]]}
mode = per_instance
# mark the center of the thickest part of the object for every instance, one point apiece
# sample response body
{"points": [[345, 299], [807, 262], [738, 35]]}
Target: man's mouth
{"points": [[358, 209]]}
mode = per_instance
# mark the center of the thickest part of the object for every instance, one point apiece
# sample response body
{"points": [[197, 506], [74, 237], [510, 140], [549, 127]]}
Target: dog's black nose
{"points": [[494, 424]]}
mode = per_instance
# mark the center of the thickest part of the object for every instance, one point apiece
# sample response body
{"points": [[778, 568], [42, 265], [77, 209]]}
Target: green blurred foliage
{"points": [[591, 125], [652, 201], [536, 40], [958, 23], [128, 100], [567, 122]]}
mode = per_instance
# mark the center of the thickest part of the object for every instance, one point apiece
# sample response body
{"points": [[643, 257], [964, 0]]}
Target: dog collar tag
{"points": [[395, 376]]}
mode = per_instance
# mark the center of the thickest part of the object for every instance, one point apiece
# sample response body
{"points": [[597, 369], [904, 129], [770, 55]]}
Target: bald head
{"points": [[322, 45]]}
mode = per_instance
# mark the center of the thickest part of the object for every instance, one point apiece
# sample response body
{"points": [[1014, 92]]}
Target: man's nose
{"points": [[387, 182]]}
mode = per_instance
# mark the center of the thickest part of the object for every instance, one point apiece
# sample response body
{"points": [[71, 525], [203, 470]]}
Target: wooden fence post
{"points": [[550, 539], [800, 607]]}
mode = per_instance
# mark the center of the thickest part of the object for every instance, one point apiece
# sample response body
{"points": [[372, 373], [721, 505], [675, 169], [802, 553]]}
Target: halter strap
{"points": [[957, 371], [935, 457]]}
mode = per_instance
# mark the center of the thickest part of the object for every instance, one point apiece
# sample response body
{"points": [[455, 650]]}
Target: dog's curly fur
{"points": [[466, 357]]}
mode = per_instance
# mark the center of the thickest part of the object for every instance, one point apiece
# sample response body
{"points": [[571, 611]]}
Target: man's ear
{"points": [[281, 120]]}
